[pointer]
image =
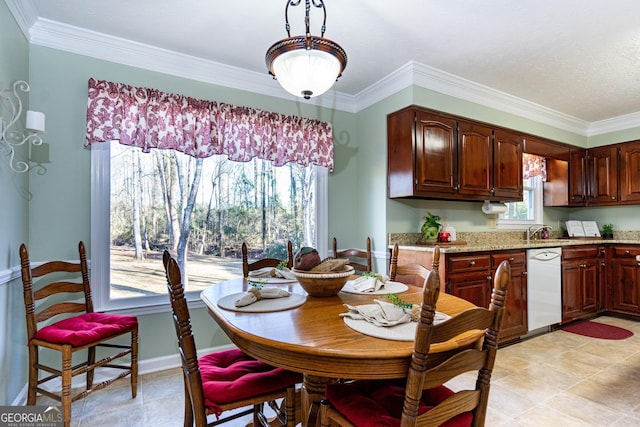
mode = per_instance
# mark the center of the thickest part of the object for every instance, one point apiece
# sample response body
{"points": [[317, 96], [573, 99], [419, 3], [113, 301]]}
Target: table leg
{"points": [[312, 393]]}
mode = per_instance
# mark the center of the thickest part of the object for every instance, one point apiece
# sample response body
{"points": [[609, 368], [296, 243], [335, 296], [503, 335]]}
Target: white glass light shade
{"points": [[306, 66], [307, 73]]}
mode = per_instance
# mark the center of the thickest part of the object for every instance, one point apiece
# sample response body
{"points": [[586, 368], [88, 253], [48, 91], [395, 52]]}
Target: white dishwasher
{"points": [[544, 287]]}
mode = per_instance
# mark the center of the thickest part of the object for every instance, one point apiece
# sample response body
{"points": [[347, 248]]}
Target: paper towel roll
{"points": [[493, 208]]}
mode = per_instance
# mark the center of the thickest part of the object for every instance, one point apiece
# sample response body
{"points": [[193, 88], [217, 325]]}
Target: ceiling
{"points": [[576, 58]]}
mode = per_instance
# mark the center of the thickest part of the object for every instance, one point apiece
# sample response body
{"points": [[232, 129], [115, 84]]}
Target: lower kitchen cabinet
{"points": [[625, 279], [581, 287], [468, 277], [514, 322]]}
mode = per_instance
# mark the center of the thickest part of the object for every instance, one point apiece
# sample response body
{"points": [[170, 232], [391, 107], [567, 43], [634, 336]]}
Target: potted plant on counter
{"points": [[607, 231], [430, 228]]}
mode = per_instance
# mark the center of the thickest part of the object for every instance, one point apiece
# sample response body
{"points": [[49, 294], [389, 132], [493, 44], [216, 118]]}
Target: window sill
{"points": [[193, 300]]}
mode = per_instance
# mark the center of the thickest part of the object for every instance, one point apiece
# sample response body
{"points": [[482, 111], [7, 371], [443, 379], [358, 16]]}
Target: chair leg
{"points": [[91, 359], [134, 362], [66, 384], [188, 409], [324, 414], [290, 408], [33, 374]]}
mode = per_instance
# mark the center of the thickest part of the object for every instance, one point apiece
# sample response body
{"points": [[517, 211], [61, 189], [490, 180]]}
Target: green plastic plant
{"points": [[430, 227], [607, 229]]}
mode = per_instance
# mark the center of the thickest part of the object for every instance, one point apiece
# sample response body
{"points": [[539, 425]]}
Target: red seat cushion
{"points": [[379, 403], [86, 328], [233, 375]]}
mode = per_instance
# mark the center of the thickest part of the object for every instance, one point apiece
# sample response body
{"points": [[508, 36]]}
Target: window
{"points": [[138, 201], [520, 215]]}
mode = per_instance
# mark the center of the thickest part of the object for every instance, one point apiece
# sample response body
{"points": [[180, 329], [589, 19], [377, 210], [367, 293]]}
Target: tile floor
{"points": [[555, 379]]}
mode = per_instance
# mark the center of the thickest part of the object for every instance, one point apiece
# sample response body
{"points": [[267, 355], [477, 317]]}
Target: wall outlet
{"points": [[491, 223]]}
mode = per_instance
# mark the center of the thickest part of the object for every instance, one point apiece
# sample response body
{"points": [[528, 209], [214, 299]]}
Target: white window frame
{"points": [[518, 224], [100, 237]]}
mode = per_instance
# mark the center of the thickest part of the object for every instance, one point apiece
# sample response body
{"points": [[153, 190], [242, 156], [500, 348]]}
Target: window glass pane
{"points": [[226, 203], [524, 210]]}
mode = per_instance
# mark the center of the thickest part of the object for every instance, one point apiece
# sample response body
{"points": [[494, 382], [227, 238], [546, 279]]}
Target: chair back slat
{"points": [[474, 318], [263, 262], [465, 361], [359, 259], [57, 288], [461, 402], [55, 267], [60, 308]]}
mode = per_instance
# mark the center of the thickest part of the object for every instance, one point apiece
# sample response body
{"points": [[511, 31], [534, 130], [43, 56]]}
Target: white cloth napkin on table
{"points": [[382, 313], [265, 273], [369, 283], [254, 295]]}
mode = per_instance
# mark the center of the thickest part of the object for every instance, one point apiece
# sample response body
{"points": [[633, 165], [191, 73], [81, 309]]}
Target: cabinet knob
{"points": [[627, 252], [524, 273], [511, 259], [613, 197], [472, 263], [489, 278]]}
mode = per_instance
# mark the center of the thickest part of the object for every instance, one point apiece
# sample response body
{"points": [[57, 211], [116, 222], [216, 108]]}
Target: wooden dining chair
{"points": [[263, 262], [60, 317], [360, 259], [423, 399], [410, 273], [229, 379]]}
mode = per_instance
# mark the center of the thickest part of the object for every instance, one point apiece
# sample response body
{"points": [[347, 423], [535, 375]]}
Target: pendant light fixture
{"points": [[306, 65]]}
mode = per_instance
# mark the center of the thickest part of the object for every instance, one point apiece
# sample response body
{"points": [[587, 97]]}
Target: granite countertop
{"points": [[491, 241]]}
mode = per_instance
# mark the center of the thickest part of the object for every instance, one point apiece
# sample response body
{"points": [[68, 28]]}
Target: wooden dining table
{"points": [[313, 338]]}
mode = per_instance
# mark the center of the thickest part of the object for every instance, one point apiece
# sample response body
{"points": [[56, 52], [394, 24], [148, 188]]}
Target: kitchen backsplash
{"points": [[496, 237]]}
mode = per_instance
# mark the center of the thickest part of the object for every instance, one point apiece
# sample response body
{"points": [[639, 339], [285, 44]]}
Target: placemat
{"points": [[388, 288], [272, 280], [264, 305], [401, 332]]}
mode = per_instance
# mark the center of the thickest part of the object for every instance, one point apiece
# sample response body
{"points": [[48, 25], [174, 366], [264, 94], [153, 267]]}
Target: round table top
{"points": [[313, 338]]}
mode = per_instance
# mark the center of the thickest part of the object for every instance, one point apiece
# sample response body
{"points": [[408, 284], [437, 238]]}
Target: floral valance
{"points": [[149, 118], [533, 165]]}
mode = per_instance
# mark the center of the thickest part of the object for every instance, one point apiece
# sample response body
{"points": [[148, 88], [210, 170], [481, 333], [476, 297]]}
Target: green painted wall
{"points": [[14, 208]]}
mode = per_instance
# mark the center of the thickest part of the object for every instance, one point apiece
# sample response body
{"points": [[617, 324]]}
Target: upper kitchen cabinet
{"points": [[422, 154], [434, 155], [630, 172], [602, 175], [577, 177]]}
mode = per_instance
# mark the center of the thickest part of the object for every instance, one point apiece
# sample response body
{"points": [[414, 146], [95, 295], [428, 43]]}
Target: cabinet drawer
{"points": [[457, 264], [514, 258], [580, 252], [626, 251]]}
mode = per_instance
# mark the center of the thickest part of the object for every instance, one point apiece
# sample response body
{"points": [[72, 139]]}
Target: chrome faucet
{"points": [[536, 228]]}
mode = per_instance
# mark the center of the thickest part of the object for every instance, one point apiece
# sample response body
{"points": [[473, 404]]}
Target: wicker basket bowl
{"points": [[323, 284]]}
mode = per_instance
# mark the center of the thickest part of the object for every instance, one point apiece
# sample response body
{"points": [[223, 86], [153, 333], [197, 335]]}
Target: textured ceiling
{"points": [[577, 57]]}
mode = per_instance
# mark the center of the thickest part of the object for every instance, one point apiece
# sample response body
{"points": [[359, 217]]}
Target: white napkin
{"points": [[254, 295], [265, 273], [382, 313], [369, 283]]}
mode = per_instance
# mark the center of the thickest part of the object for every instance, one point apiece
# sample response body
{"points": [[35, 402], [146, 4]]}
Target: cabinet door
{"points": [[507, 166], [475, 160], [577, 178], [626, 280], [589, 287], [630, 172], [514, 322], [473, 287], [602, 176], [435, 155], [571, 290]]}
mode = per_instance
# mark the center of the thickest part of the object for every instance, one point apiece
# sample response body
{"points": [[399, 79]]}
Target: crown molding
{"points": [[80, 41]]}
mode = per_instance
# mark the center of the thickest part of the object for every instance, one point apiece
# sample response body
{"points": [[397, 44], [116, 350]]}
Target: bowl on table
{"points": [[323, 284]]}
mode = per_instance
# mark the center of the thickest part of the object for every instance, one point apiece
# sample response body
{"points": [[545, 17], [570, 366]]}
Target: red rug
{"points": [[598, 330]]}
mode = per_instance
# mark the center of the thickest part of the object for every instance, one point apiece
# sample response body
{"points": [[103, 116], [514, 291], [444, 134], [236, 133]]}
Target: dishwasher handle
{"points": [[546, 255]]}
